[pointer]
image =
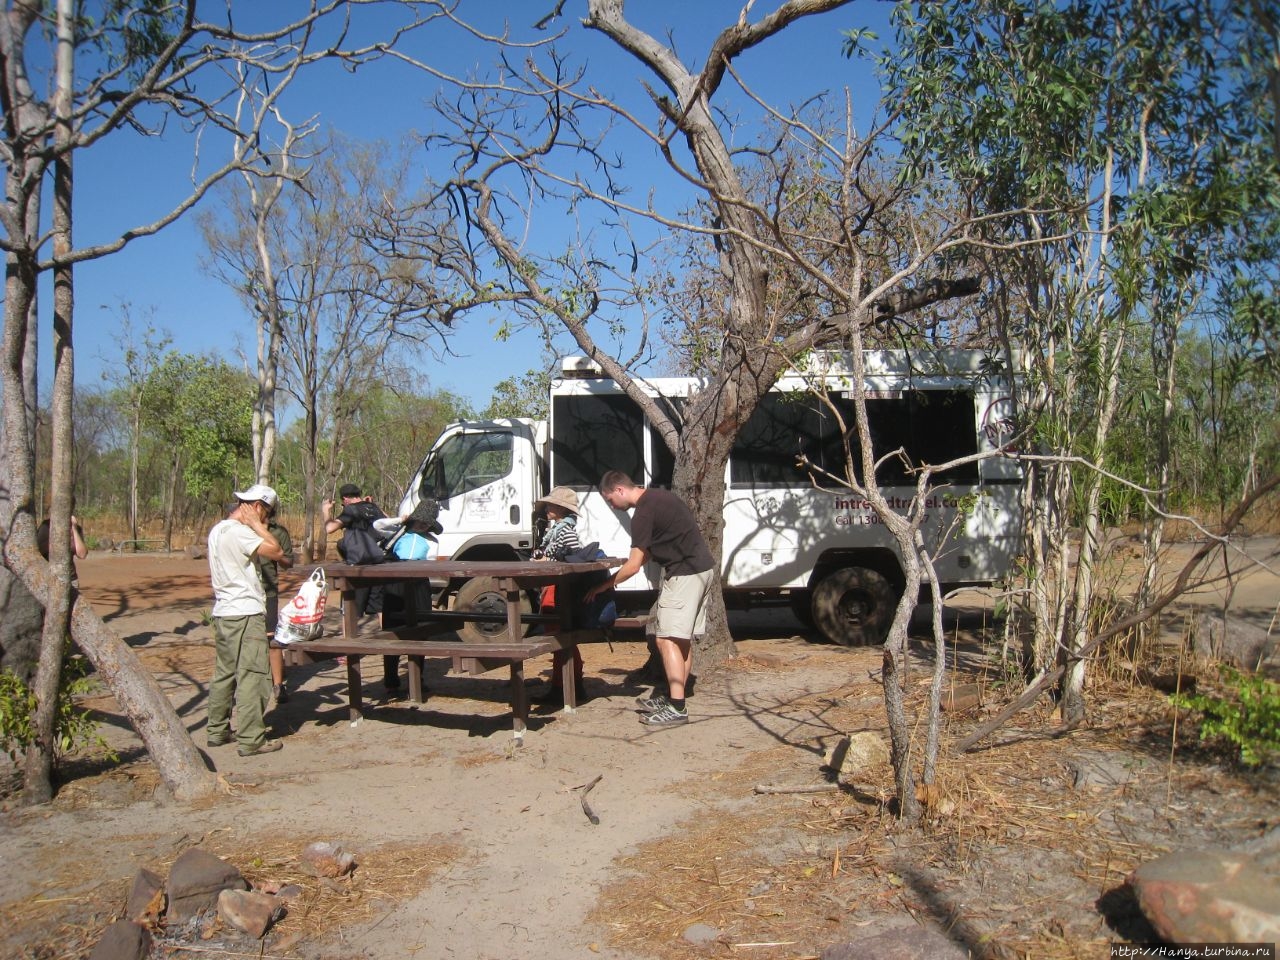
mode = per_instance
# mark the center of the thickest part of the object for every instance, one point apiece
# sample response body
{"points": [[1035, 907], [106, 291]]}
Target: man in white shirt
{"points": [[241, 670]]}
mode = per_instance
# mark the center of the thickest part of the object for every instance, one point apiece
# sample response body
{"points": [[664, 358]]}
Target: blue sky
{"points": [[128, 180]]}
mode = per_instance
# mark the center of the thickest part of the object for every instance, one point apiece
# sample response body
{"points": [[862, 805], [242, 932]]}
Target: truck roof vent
{"points": [[579, 367]]}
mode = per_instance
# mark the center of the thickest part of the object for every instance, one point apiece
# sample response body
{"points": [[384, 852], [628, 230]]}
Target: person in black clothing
{"points": [[359, 512], [663, 529]]}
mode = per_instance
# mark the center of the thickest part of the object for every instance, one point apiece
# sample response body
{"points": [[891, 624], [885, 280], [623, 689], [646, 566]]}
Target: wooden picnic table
{"points": [[415, 637]]}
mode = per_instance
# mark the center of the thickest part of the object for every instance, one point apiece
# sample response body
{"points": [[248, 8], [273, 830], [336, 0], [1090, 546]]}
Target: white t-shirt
{"points": [[237, 588]]}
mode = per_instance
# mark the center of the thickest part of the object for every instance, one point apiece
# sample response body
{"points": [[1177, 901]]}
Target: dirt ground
{"points": [[470, 847]]}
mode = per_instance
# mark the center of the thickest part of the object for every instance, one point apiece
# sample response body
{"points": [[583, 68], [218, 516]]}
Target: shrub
{"points": [[1248, 716], [72, 727]]}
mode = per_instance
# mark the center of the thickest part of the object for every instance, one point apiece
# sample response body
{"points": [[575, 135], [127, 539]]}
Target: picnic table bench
{"points": [[416, 639]]}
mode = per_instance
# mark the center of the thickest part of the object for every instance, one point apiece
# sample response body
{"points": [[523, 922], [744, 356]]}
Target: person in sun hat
{"points": [[560, 506], [241, 670]]}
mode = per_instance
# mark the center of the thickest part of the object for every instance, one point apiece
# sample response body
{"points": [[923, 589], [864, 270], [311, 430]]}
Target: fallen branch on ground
{"points": [[586, 807]]}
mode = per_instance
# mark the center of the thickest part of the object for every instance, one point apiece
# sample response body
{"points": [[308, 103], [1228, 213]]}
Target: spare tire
{"points": [[854, 606], [482, 595]]}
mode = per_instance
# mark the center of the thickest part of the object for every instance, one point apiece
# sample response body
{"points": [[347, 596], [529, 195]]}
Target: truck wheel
{"points": [[482, 595], [854, 606]]}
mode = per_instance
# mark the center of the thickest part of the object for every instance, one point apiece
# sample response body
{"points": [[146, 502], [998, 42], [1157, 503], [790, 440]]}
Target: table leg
{"points": [[519, 701], [512, 591], [415, 679], [572, 595], [567, 680], [350, 615], [355, 694]]}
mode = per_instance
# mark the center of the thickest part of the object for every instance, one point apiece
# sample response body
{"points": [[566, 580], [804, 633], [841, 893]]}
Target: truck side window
{"points": [[467, 461], [931, 426], [592, 433]]}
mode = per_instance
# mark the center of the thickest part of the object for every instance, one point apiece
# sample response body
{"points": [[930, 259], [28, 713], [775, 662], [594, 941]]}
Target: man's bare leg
{"points": [[677, 658]]}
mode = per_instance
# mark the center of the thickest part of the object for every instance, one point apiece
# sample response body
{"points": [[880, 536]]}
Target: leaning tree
{"points": [[73, 75]]}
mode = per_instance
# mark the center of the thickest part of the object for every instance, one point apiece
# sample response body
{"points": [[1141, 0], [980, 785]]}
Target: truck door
{"points": [[484, 477]]}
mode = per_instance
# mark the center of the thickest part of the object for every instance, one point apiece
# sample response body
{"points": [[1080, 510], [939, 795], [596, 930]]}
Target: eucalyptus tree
{"points": [[73, 75], [1118, 130], [544, 146], [333, 312]]}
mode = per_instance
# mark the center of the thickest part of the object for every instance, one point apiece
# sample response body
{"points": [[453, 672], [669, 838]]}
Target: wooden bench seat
{"points": [[394, 643]]}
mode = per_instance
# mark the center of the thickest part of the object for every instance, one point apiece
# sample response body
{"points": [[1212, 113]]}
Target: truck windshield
{"points": [[466, 461]]}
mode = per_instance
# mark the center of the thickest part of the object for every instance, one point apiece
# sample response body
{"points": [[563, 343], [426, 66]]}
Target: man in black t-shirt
{"points": [[663, 529]]}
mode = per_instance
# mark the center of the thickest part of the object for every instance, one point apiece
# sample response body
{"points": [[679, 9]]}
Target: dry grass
{"points": [[66, 927], [1010, 857]]}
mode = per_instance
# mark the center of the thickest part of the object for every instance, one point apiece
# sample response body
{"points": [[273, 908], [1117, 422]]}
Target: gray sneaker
{"points": [[651, 704], [667, 716]]}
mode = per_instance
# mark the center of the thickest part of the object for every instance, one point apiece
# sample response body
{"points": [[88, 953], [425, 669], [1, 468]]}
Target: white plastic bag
{"points": [[301, 619]]}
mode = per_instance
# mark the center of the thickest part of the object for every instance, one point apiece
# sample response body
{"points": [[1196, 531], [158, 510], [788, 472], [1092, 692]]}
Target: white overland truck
{"points": [[824, 552]]}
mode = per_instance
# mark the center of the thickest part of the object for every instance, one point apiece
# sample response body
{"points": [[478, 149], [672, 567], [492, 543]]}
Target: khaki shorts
{"points": [[681, 610]]}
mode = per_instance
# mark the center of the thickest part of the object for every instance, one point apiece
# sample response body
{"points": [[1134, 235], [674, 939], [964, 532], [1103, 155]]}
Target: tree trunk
{"points": [[135, 445], [21, 613], [38, 774]]}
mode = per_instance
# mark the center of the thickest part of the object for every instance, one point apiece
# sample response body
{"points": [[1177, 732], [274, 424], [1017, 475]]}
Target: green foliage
{"points": [[72, 727], [201, 409], [1248, 716], [17, 711], [390, 431], [523, 396]]}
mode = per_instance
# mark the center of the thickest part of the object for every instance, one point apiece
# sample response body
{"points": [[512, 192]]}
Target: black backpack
{"points": [[359, 543]]}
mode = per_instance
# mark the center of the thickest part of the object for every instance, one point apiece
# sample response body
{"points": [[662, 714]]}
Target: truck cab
{"points": [[485, 474]]}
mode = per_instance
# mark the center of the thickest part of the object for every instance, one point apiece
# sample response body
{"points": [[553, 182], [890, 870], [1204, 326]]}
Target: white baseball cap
{"points": [[259, 491]]}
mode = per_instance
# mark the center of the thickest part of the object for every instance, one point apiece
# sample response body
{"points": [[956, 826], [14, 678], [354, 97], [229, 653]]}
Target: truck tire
{"points": [[482, 595], [854, 606]]}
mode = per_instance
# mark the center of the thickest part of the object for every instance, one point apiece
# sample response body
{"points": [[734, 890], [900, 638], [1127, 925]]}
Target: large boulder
{"points": [[1208, 896], [1238, 642]]}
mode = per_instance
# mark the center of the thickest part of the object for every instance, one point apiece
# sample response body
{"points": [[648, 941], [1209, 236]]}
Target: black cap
{"points": [[348, 490]]}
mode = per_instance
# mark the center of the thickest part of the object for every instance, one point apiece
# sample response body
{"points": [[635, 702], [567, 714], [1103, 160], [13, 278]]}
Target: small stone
{"points": [[123, 940], [325, 859], [248, 911], [855, 755], [146, 897], [1208, 896], [700, 933], [904, 943], [195, 880], [961, 697]]}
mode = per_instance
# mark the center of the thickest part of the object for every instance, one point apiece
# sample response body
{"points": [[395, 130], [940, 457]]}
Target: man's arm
{"points": [[78, 548], [634, 564], [331, 524], [269, 548]]}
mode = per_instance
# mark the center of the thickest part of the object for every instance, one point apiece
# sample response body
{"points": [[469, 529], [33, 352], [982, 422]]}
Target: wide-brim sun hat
{"points": [[258, 492], [561, 497]]}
